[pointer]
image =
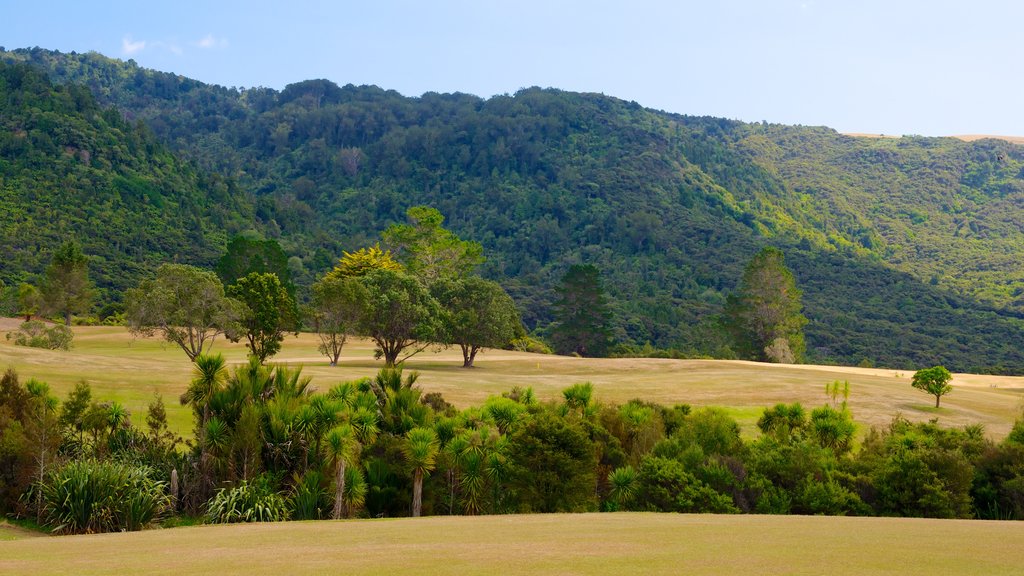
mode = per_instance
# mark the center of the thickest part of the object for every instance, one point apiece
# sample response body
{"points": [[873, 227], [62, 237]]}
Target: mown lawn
{"points": [[131, 371], [624, 543]]}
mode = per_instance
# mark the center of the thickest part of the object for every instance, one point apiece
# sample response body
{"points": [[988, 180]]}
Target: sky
{"points": [[932, 68]]}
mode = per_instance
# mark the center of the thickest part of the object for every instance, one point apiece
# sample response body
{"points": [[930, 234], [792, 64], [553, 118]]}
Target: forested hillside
{"points": [[905, 248]]}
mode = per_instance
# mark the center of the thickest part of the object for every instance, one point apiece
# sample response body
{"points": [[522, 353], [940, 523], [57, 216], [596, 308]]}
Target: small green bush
{"points": [[254, 501], [35, 334], [531, 344]]}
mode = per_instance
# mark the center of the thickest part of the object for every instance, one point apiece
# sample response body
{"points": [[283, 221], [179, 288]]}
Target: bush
{"points": [[531, 344], [35, 334], [255, 501], [88, 496]]}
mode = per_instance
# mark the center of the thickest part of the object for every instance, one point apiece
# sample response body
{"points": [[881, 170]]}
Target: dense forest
{"points": [[904, 248]]}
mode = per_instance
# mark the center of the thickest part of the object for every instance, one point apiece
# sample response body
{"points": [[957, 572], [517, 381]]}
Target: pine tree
{"points": [[763, 315], [584, 318]]}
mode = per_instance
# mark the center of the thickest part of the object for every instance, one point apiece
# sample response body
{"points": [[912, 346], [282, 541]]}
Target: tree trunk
{"points": [[417, 493], [339, 490], [937, 400], [67, 318], [467, 358]]}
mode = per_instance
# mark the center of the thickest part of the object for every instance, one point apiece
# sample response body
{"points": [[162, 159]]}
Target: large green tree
{"points": [[186, 305], [764, 314], [66, 286], [400, 317], [428, 250], [584, 317], [480, 314], [270, 312]]}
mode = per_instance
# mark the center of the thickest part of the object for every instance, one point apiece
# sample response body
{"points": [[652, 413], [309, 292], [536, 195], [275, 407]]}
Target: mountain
{"points": [[905, 248]]}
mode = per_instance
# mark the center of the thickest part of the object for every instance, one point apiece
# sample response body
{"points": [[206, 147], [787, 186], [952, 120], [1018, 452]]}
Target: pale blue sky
{"points": [[912, 67]]}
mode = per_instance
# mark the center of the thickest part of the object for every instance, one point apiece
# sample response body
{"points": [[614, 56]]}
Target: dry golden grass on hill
{"points": [[622, 543], [130, 371]]}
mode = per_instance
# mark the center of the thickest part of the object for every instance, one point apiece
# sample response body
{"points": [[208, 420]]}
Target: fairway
{"points": [[129, 370], [623, 543]]}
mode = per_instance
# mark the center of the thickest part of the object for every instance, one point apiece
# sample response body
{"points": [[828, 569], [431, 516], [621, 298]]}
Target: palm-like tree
{"points": [[420, 449], [343, 448], [208, 377]]}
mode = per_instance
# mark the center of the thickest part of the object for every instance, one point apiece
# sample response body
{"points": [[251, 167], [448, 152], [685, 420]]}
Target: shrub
{"points": [[310, 499], [255, 501], [531, 344], [35, 334], [88, 496]]}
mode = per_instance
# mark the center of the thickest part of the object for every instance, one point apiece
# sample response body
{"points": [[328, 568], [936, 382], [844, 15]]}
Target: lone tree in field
{"points": [[584, 319], [763, 315], [66, 287], [480, 315], [336, 310], [186, 305], [270, 312], [934, 380]]}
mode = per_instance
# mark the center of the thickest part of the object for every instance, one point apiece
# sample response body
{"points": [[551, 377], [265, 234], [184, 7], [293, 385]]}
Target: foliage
{"points": [[363, 261], [36, 334], [89, 496], [480, 314], [400, 317], [934, 381], [186, 305], [553, 465], [66, 288], [428, 250], [245, 256], [336, 311], [583, 314], [764, 315], [269, 312], [30, 300], [248, 501]]}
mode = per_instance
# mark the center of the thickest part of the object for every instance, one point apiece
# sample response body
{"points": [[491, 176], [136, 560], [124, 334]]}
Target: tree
{"points": [[480, 315], [583, 315], [361, 262], [185, 304], [270, 312], [763, 315], [343, 448], [337, 307], [29, 301], [66, 287], [247, 255], [428, 250], [420, 450], [934, 380], [400, 315]]}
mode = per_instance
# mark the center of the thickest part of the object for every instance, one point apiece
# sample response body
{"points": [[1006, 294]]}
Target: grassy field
{"points": [[131, 371], [625, 543]]}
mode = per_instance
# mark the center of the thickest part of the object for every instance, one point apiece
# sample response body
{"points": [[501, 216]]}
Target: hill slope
{"points": [[905, 247]]}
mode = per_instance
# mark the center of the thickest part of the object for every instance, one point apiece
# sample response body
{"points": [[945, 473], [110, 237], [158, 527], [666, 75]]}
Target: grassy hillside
{"points": [[905, 247], [130, 371], [549, 544]]}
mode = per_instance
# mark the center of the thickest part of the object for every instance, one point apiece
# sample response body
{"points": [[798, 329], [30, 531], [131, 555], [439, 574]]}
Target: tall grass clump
{"points": [[89, 496], [254, 501]]}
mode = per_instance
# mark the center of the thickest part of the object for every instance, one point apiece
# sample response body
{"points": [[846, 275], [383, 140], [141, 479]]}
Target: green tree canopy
{"points": [[66, 287], [584, 318], [337, 307], [428, 250], [363, 261], [29, 300], [480, 315], [186, 305], [934, 380], [247, 255], [763, 315], [400, 316], [270, 312]]}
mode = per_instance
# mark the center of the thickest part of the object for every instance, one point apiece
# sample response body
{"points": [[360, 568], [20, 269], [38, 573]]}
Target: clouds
{"points": [[130, 46]]}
